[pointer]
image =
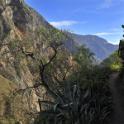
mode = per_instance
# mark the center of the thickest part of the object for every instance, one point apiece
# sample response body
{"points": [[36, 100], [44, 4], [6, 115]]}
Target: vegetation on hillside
{"points": [[57, 82], [76, 88], [74, 96], [113, 62]]}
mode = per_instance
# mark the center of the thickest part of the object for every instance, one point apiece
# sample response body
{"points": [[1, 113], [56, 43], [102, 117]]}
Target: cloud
{"points": [[63, 23], [106, 33], [113, 31], [116, 29], [106, 4]]}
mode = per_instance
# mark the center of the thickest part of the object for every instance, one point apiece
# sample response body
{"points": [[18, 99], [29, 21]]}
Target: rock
{"points": [[20, 44], [17, 21]]}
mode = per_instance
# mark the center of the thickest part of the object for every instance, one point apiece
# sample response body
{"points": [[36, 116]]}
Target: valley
{"points": [[50, 76]]}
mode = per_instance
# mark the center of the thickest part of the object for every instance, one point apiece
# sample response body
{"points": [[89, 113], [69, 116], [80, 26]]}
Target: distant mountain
{"points": [[99, 46]]}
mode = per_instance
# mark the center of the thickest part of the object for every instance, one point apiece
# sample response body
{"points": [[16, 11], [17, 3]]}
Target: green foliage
{"points": [[85, 97], [113, 62], [78, 106], [14, 45], [92, 76], [85, 74], [8, 120], [84, 57], [51, 35], [16, 49]]}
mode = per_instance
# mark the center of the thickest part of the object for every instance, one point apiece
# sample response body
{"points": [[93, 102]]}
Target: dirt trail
{"points": [[117, 88]]}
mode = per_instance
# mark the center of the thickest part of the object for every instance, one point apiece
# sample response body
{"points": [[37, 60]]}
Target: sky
{"points": [[97, 17]]}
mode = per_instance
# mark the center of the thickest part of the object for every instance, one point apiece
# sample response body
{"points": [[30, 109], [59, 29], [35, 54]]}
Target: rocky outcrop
{"points": [[18, 35], [20, 43], [16, 15]]}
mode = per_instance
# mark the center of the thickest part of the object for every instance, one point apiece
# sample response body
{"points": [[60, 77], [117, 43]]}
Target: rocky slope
{"points": [[22, 38]]}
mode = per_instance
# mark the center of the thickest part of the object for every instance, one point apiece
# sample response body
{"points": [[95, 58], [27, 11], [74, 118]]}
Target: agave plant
{"points": [[72, 104], [76, 106]]}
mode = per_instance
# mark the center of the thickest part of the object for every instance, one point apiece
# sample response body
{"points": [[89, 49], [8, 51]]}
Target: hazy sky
{"points": [[100, 17]]}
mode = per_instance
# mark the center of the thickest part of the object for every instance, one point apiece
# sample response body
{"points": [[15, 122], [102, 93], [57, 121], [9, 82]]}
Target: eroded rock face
{"points": [[4, 27], [18, 25], [16, 14], [18, 22], [19, 40]]}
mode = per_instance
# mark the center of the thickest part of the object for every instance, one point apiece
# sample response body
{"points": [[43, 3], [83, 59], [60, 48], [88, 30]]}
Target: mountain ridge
{"points": [[99, 46]]}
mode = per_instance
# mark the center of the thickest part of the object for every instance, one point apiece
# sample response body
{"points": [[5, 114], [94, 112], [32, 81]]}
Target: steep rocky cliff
{"points": [[20, 42], [18, 26]]}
